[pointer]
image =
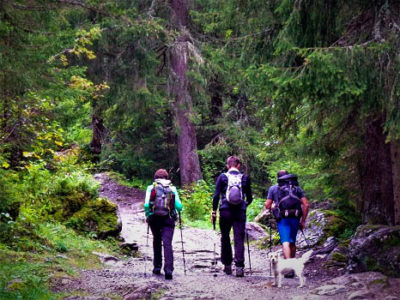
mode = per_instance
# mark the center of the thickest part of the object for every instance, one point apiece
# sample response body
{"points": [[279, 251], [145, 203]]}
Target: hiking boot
{"points": [[168, 276], [289, 274], [228, 269], [239, 271], [156, 271]]}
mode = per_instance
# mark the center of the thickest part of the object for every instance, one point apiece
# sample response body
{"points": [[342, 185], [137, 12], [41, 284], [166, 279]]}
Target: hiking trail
{"points": [[133, 279]]}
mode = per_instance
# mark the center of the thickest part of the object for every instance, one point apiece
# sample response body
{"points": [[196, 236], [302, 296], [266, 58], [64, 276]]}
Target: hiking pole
{"points": [[147, 247], [183, 250], [248, 249], [305, 238], [270, 246], [215, 246]]}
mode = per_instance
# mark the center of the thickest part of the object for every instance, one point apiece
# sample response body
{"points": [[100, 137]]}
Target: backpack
{"points": [[289, 204], [234, 194], [162, 199]]}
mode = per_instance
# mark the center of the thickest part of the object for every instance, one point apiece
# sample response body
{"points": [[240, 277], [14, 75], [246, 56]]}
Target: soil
{"points": [[132, 278]]}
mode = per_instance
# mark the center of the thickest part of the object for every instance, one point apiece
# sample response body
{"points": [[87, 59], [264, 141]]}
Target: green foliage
{"points": [[197, 201], [255, 208], [26, 275]]}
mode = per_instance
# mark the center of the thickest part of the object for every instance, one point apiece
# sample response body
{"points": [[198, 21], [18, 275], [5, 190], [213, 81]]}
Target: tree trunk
{"points": [[376, 176], [98, 130], [395, 152], [180, 90]]}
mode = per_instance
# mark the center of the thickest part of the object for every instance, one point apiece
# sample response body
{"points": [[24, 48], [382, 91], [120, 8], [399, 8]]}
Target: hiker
{"points": [[161, 206], [231, 190], [290, 207]]}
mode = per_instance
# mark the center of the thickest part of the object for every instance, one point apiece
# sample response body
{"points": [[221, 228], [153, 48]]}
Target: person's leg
{"points": [[157, 255], [284, 235], [292, 250], [239, 224], [167, 235], [286, 250], [294, 228], [225, 224]]}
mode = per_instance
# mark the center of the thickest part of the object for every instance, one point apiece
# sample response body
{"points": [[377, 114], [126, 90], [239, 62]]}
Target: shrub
{"points": [[197, 201]]}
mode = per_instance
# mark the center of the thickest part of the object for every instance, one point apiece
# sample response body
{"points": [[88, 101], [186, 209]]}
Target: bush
{"points": [[197, 201]]}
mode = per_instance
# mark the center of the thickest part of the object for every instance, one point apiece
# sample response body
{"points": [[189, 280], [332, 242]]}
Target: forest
{"points": [[126, 87]]}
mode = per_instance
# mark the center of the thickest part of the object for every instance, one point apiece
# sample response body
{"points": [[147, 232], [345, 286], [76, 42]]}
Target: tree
{"points": [[179, 54]]}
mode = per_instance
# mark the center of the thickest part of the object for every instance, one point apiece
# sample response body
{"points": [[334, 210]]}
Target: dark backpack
{"points": [[289, 203], [234, 194], [162, 199]]}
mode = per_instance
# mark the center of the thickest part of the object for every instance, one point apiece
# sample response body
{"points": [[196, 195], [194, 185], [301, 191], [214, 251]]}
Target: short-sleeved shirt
{"points": [[273, 193]]}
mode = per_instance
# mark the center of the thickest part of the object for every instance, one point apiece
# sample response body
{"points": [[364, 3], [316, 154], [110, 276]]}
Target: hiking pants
{"points": [[236, 219], [163, 232]]}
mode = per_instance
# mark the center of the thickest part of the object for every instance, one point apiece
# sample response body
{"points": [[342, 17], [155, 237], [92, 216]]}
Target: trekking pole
{"points": [[147, 247], [270, 246], [248, 249], [183, 250], [215, 246], [305, 238]]}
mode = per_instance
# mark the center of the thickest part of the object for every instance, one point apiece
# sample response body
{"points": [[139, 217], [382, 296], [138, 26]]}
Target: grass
{"points": [[28, 275]]}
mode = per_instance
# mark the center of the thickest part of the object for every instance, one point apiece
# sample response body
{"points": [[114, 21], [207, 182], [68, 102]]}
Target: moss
{"points": [[98, 216], [335, 226], [339, 257], [16, 285], [380, 281], [391, 241]]}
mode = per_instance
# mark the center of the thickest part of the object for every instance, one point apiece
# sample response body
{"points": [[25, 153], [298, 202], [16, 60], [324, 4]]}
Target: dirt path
{"points": [[132, 278]]}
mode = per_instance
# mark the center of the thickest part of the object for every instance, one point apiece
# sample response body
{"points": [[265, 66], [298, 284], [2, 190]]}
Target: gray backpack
{"points": [[164, 199], [234, 194]]}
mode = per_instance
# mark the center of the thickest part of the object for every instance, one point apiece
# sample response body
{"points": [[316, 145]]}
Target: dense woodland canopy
{"points": [[311, 86]]}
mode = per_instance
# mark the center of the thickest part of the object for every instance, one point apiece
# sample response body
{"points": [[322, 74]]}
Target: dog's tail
{"points": [[306, 256]]}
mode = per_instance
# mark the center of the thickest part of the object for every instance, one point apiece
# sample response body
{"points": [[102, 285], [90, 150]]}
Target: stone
{"points": [[129, 248], [77, 297], [144, 292], [375, 248], [361, 294], [15, 285], [106, 258], [255, 231], [314, 233], [329, 290], [266, 218]]}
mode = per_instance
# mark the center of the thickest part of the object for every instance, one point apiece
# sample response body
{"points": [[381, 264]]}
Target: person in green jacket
{"points": [[161, 206]]}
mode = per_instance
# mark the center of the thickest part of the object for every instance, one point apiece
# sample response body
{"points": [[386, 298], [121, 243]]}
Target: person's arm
{"points": [[216, 197], [247, 190], [178, 203], [268, 203], [304, 208], [147, 201]]}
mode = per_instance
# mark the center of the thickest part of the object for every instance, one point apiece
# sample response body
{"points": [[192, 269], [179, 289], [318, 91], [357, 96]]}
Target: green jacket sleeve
{"points": [[178, 203], [147, 201]]}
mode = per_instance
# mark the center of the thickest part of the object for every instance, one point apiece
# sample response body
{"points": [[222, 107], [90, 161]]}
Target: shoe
{"points": [[228, 269], [168, 276], [239, 271], [289, 274], [156, 271]]}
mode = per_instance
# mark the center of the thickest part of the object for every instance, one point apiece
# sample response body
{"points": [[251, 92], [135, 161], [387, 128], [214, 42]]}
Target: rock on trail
{"points": [[132, 278]]}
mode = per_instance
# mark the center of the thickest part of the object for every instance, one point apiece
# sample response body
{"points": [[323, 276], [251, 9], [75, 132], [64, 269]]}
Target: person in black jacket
{"points": [[233, 195]]}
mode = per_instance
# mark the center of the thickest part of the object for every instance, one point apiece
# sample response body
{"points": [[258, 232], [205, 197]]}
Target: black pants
{"points": [[163, 231], [236, 219]]}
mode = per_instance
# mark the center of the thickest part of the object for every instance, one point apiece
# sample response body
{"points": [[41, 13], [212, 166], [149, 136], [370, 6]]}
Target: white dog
{"points": [[280, 265]]}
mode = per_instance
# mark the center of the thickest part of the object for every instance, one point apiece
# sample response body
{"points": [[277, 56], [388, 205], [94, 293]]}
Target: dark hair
{"points": [[161, 174], [233, 161], [281, 173]]}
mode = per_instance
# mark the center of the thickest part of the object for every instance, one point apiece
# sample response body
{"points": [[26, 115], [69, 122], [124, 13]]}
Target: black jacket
{"points": [[220, 192]]}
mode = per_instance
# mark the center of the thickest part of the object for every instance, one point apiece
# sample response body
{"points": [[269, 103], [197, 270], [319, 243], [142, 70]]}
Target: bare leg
{"points": [[286, 248], [292, 250]]}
